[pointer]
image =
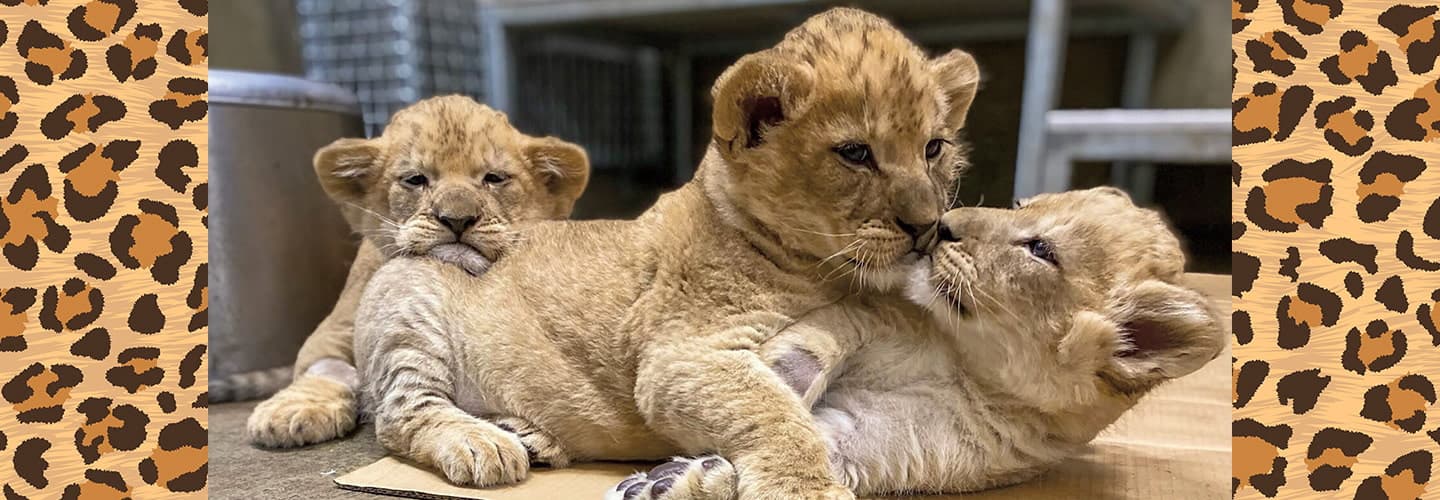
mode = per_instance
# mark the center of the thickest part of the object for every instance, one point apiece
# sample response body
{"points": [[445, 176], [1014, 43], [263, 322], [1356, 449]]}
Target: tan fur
{"points": [[454, 142], [639, 339], [916, 396]]}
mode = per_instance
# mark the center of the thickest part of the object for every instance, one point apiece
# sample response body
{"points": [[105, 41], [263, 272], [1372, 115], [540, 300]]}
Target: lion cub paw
{"points": [[703, 478], [311, 410], [542, 446], [477, 453]]}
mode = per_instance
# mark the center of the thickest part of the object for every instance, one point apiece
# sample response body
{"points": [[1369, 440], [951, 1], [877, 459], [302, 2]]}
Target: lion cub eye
{"points": [[932, 148], [416, 180], [1042, 250], [496, 178], [855, 154]]}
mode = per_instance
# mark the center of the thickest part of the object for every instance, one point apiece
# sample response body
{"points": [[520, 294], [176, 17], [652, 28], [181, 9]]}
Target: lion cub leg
{"points": [[700, 478], [317, 407], [416, 417]]}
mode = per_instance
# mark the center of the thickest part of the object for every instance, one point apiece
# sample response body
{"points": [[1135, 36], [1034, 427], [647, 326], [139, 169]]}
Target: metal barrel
{"points": [[279, 247]]}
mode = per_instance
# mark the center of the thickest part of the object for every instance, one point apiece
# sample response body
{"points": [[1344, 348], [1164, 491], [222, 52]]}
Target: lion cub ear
{"points": [[758, 92], [348, 168], [1166, 331], [959, 78], [564, 169]]}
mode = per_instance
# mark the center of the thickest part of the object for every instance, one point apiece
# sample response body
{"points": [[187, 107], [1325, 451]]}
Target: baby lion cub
{"points": [[449, 179], [1035, 329]]}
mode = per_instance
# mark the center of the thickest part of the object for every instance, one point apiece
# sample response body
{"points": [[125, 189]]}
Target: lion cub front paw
{"points": [[702, 478], [311, 410], [477, 453], [543, 447]]}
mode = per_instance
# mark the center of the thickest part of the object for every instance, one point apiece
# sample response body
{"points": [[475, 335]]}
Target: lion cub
{"points": [[832, 153], [450, 179], [1026, 332]]}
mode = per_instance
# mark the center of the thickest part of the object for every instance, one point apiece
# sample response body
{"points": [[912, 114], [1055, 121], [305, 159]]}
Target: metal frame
{"points": [[1044, 65], [1168, 135], [1051, 140]]}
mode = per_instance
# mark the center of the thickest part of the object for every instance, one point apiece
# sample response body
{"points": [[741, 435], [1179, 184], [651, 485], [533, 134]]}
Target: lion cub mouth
{"points": [[464, 256], [937, 288]]}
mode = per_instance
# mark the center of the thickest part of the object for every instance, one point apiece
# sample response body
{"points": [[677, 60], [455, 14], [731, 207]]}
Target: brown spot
{"points": [[180, 461], [109, 429], [1301, 389], [95, 344], [1356, 61], [1260, 112], [1376, 349], [1246, 380], [1331, 454], [152, 239], [55, 58], [1404, 404], [1386, 184], [1252, 457], [30, 463], [102, 15], [138, 369], [1283, 196], [81, 116], [24, 213], [1245, 269], [40, 396], [141, 47], [1305, 313], [1331, 457], [146, 316], [1392, 294], [1402, 485], [1342, 250]]}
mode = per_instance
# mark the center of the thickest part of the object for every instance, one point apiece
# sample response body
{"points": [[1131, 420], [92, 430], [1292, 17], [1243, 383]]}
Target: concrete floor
{"points": [[240, 471]]}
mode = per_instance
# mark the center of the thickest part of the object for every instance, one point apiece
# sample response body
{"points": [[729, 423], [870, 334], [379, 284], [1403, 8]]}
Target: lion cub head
{"points": [[448, 178], [841, 141], [1070, 301]]}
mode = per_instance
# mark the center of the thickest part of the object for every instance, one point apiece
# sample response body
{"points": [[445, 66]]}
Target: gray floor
{"points": [[241, 471]]}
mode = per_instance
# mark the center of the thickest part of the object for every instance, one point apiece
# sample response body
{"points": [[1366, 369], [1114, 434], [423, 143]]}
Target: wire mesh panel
{"points": [[393, 52], [604, 97]]}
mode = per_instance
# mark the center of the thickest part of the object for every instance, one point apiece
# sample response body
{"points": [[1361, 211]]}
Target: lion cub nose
{"points": [[458, 224], [943, 233], [920, 233]]}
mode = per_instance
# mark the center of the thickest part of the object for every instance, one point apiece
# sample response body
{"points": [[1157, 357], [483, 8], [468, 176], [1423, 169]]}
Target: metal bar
{"points": [[949, 33], [499, 78], [1044, 68], [1176, 136], [1137, 178], [593, 10], [681, 115]]}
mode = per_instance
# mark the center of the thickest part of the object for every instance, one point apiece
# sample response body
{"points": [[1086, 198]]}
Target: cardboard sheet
{"points": [[1174, 445]]}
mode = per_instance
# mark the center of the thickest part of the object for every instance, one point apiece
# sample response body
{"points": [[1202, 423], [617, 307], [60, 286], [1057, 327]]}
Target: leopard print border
{"points": [[1336, 247], [102, 233]]}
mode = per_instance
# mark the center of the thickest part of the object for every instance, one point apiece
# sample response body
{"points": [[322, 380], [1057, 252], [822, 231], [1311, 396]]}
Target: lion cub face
{"points": [[448, 178], [842, 140], [1075, 294]]}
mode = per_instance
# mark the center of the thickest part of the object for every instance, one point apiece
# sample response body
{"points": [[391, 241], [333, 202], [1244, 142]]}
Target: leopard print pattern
{"points": [[102, 237], [1336, 247]]}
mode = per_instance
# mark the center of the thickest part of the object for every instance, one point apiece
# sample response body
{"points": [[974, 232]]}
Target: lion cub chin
{"points": [[1023, 335]]}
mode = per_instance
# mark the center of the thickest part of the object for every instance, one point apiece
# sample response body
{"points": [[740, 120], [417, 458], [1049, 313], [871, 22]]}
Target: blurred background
{"points": [[630, 79]]}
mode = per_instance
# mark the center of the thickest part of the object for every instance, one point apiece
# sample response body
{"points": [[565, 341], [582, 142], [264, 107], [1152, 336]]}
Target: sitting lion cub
{"points": [[1035, 329], [832, 153], [448, 178]]}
